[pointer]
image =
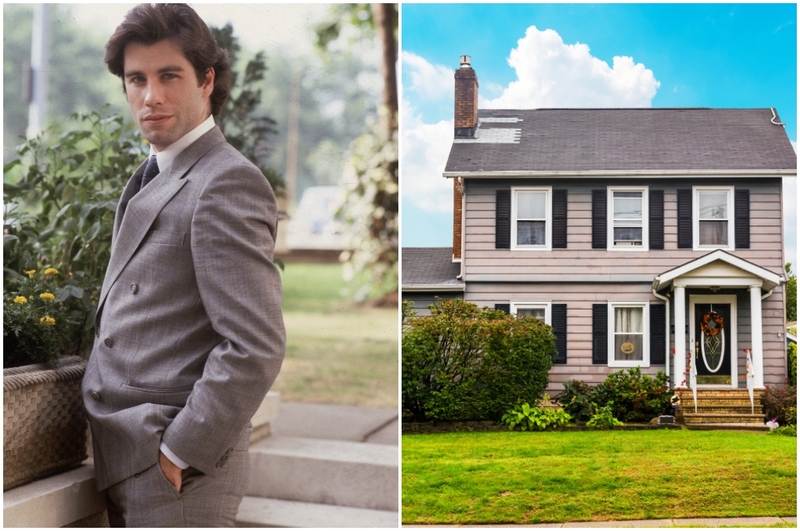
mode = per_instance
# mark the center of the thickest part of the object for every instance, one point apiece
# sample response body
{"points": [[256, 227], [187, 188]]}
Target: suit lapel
{"points": [[137, 211]]}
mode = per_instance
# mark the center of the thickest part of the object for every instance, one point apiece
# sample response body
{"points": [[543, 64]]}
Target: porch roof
{"points": [[719, 268]]}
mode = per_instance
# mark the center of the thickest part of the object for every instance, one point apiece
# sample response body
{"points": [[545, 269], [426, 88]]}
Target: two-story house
{"points": [[646, 237]]}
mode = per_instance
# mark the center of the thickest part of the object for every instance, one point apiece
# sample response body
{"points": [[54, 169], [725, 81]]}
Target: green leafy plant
{"points": [[576, 399], [37, 326], [789, 431], [780, 404], [604, 418], [60, 197], [462, 362], [791, 353], [528, 418]]}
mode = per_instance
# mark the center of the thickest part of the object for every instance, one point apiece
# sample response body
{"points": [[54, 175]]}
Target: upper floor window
{"points": [[627, 223], [713, 218], [531, 217]]}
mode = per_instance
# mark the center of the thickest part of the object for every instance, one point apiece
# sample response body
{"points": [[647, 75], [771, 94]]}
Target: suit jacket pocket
{"points": [[163, 237], [151, 395]]}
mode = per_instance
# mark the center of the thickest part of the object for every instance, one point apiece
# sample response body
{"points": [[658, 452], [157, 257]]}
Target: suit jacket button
{"points": [[109, 342], [95, 395], [134, 288]]}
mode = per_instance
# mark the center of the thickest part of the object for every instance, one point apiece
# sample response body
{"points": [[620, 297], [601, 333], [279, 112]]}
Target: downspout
{"points": [[666, 301]]}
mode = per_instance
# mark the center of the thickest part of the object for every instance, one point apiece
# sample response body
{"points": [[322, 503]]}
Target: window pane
{"points": [[713, 233], [532, 312], [628, 320], [627, 236], [531, 233], [627, 205], [531, 205], [713, 205], [628, 347]]}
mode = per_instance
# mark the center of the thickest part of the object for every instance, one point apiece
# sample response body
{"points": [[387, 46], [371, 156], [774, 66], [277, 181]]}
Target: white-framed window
{"points": [[531, 219], [540, 310], [628, 334], [712, 219], [627, 219]]}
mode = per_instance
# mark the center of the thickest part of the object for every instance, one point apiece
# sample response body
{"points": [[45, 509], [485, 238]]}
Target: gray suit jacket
{"points": [[189, 329]]}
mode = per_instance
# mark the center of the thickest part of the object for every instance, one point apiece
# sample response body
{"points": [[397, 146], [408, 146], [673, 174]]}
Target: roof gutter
{"points": [[425, 288], [622, 173]]}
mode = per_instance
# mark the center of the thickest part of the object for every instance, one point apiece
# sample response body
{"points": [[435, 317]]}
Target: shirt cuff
{"points": [[183, 465]]}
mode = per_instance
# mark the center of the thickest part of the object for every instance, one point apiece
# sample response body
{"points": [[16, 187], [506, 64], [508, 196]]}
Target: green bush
{"points": [[465, 363], [60, 197], [604, 418], [525, 417], [780, 404], [789, 431], [791, 352], [632, 396]]}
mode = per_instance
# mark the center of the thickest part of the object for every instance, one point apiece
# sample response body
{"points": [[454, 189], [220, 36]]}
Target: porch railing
{"points": [[751, 379], [693, 379]]}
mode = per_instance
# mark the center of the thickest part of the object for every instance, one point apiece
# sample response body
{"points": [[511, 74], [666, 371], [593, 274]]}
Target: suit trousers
{"points": [[148, 499]]}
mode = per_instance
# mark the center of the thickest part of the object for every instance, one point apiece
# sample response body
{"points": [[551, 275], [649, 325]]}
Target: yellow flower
{"points": [[20, 299], [47, 296], [47, 320], [51, 271], [30, 272]]}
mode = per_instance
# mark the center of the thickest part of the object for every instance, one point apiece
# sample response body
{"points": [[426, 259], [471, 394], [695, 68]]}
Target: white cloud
{"points": [[428, 80], [553, 74], [549, 74], [425, 148]]}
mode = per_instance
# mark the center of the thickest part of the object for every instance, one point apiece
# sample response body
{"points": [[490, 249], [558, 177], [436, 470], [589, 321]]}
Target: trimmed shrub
{"points": [[631, 395], [791, 353], [780, 403], [466, 363]]}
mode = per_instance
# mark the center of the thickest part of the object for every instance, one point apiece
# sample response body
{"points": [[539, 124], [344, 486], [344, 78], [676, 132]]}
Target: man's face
{"points": [[163, 92]]}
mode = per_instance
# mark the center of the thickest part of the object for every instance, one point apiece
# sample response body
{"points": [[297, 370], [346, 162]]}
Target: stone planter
{"points": [[44, 425]]}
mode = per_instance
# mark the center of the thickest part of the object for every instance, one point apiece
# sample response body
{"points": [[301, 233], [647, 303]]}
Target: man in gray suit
{"points": [[189, 329]]}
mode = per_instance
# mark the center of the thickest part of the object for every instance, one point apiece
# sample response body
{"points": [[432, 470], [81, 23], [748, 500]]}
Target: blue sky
{"points": [[624, 55]]}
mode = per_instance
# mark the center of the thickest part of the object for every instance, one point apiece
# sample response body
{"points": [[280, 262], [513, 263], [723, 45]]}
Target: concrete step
{"points": [[262, 512], [728, 426], [731, 410], [722, 418], [350, 474]]}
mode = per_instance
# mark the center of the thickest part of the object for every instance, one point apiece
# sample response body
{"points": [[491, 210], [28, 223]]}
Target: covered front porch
{"points": [[714, 325]]}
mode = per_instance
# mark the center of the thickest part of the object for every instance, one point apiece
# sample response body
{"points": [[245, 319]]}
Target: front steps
{"points": [[325, 477], [722, 409]]}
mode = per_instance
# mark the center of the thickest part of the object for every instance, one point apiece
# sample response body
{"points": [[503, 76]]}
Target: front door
{"points": [[713, 340]]}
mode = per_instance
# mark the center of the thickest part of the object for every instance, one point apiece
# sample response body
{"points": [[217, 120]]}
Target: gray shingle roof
{"points": [[624, 140], [430, 266]]}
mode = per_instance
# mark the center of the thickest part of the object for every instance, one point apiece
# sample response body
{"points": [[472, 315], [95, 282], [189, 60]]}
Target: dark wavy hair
{"points": [[150, 23]]}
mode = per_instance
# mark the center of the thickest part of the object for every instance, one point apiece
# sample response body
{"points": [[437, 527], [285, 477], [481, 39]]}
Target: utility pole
{"points": [[40, 51]]}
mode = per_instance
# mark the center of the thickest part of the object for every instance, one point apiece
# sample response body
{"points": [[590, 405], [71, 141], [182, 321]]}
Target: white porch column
{"points": [[756, 334], [679, 377]]}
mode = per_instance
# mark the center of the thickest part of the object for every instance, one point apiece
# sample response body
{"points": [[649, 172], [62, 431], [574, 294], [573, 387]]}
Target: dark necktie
{"points": [[150, 171]]}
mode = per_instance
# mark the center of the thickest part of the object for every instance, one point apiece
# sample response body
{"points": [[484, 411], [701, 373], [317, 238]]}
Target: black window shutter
{"points": [[656, 219], [658, 348], [599, 334], [502, 224], [559, 219], [559, 322], [685, 218], [505, 307], [741, 210], [599, 220]]}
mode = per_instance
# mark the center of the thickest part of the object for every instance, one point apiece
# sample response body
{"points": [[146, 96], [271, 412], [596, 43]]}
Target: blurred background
{"points": [[314, 105]]}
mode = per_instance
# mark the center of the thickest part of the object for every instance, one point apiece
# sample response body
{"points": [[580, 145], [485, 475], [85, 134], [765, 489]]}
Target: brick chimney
{"points": [[466, 121], [466, 108]]}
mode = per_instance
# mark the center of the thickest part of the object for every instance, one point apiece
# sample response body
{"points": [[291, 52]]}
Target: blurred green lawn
{"points": [[337, 351]]}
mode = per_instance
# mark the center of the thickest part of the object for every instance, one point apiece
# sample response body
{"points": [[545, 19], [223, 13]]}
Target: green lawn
{"points": [[337, 351], [529, 478]]}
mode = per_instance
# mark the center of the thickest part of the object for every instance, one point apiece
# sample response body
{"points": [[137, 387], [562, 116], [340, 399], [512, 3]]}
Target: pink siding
{"points": [[580, 276]]}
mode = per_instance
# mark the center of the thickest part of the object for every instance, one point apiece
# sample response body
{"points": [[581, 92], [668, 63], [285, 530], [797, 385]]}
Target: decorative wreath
{"points": [[718, 320]]}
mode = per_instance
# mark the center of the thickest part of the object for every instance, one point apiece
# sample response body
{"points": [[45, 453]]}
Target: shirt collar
{"points": [[166, 156]]}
